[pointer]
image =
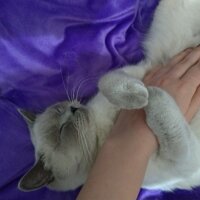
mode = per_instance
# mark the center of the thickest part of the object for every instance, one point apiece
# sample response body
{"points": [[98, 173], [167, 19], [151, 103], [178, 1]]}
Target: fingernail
{"points": [[189, 49]]}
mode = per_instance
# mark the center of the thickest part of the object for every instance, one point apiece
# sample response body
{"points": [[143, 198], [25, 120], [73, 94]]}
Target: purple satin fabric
{"points": [[54, 50]]}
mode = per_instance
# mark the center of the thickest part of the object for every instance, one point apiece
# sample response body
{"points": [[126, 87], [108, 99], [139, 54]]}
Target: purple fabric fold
{"points": [[56, 50], [82, 39]]}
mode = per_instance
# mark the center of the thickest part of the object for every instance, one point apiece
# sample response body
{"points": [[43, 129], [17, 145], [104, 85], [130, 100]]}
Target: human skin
{"points": [[120, 166]]}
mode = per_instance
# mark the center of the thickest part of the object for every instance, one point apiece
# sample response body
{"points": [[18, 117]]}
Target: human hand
{"points": [[181, 79]]}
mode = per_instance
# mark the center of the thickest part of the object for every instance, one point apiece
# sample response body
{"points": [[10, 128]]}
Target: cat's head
{"points": [[65, 144]]}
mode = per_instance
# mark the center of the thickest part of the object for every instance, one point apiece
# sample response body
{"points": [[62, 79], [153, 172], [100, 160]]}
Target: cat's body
{"points": [[67, 141]]}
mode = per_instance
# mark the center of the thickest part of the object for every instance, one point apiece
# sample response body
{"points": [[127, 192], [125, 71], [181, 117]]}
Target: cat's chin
{"points": [[66, 185], [62, 188]]}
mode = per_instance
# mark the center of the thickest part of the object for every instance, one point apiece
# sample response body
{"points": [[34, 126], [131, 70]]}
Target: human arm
{"points": [[120, 166], [121, 159]]}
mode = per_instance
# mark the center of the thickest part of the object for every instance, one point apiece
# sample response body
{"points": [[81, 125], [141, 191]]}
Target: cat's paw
{"points": [[163, 115], [167, 122], [160, 102], [124, 91], [160, 106]]}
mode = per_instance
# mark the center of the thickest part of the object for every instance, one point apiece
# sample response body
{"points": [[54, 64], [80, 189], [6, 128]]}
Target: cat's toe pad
{"points": [[126, 93]]}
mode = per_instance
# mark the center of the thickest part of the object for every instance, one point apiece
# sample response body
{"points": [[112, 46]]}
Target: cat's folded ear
{"points": [[29, 117], [36, 178]]}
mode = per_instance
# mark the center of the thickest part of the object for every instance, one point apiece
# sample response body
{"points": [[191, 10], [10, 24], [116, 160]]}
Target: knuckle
{"points": [[181, 90], [195, 79], [198, 66], [164, 81], [197, 51], [195, 74], [146, 80], [188, 50], [198, 92], [185, 61], [182, 84]]}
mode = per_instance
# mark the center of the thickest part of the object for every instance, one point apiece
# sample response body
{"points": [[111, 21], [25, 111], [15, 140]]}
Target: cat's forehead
{"points": [[59, 106], [63, 106], [66, 104]]}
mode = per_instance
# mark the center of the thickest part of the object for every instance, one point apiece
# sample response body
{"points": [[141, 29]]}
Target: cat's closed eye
{"points": [[59, 109], [62, 127]]}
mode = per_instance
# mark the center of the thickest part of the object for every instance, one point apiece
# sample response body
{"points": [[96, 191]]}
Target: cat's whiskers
{"points": [[74, 90], [63, 81], [81, 83], [70, 96], [74, 96], [80, 127]]}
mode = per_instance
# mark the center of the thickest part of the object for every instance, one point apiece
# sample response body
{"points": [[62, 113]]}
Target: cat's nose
{"points": [[73, 109]]}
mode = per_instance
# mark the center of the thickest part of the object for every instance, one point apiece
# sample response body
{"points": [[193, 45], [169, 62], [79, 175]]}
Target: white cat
{"points": [[68, 135]]}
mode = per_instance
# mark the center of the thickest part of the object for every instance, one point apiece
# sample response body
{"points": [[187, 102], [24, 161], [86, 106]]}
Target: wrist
{"points": [[143, 134], [131, 129]]}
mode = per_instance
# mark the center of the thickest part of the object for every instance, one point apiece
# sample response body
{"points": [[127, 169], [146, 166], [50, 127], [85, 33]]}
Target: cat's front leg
{"points": [[124, 90], [163, 116]]}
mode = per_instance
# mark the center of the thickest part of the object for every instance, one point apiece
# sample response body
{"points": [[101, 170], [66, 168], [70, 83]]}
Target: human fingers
{"points": [[160, 71], [192, 77], [189, 60], [179, 57], [194, 106], [151, 74]]}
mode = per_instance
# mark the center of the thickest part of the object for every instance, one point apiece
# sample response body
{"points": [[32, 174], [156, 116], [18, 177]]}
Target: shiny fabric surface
{"points": [[54, 50]]}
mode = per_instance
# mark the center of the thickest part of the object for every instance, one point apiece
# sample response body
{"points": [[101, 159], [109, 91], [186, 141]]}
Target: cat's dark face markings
{"points": [[60, 136]]}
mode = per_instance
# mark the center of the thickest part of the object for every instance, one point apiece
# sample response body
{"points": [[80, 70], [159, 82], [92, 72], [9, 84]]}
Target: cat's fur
{"points": [[65, 153]]}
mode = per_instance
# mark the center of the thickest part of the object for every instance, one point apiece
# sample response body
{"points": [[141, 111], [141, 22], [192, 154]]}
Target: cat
{"points": [[68, 135]]}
